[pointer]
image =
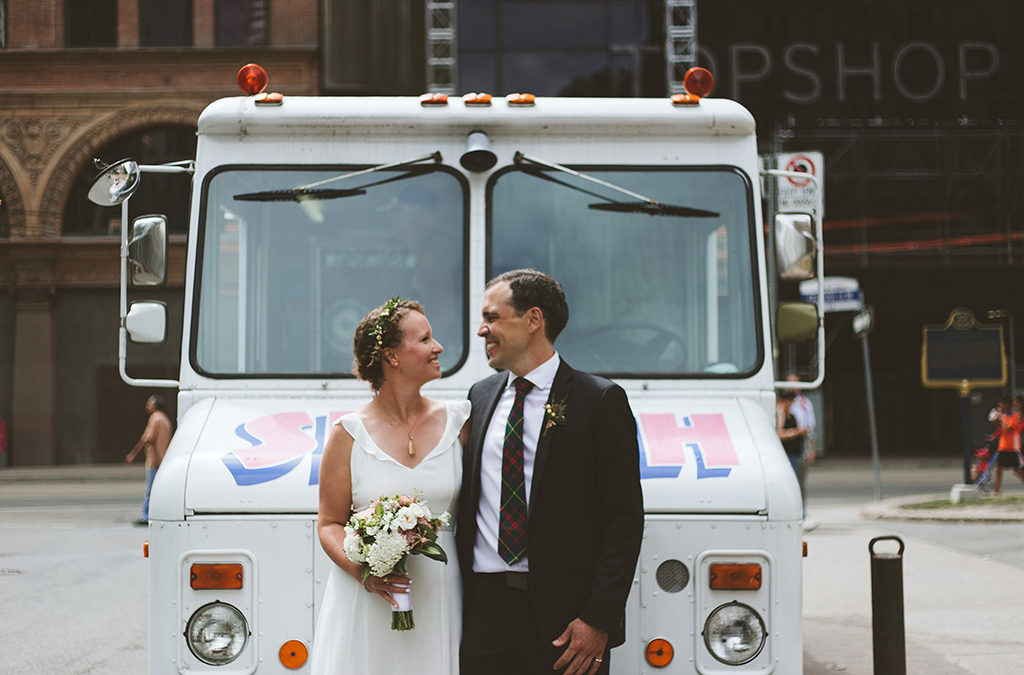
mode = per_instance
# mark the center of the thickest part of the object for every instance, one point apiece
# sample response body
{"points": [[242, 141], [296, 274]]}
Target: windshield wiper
{"points": [[309, 192], [651, 207], [297, 195]]}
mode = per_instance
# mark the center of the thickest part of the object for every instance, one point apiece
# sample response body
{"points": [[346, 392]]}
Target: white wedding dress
{"points": [[353, 633]]}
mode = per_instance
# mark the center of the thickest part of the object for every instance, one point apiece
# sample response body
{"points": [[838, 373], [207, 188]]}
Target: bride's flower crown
{"points": [[381, 324]]}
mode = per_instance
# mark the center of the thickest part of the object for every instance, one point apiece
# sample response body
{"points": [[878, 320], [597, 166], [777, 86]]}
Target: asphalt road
{"points": [[73, 580]]}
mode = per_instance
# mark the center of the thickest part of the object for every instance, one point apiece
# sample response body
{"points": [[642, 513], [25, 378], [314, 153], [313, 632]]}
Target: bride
{"points": [[400, 443]]}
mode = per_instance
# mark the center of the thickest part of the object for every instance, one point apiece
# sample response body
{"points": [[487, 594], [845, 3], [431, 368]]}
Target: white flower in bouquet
{"points": [[420, 510], [354, 546], [382, 536], [405, 519], [385, 552]]}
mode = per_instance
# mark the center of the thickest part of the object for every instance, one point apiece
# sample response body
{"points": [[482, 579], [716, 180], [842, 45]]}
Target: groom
{"points": [[550, 513]]}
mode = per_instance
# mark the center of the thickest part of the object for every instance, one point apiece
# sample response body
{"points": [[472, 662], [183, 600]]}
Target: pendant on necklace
{"points": [[412, 449]]}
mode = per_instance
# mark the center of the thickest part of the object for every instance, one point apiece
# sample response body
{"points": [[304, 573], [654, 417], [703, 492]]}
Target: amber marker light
{"points": [[293, 654], [269, 98], [145, 549], [685, 99], [220, 576], [434, 99], [735, 577], [521, 99], [698, 81], [477, 99], [659, 652], [252, 78]]}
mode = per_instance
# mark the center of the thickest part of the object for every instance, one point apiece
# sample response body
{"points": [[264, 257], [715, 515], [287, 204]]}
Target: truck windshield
{"points": [[284, 278], [652, 292]]}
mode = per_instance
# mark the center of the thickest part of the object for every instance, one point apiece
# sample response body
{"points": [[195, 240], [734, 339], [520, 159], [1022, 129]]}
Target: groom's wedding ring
{"points": [[597, 660]]}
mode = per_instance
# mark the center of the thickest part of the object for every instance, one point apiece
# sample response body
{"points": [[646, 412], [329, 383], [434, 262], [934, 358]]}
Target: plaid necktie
{"points": [[512, 510]]}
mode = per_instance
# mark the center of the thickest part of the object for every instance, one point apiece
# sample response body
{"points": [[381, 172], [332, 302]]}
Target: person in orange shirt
{"points": [[1011, 423]]}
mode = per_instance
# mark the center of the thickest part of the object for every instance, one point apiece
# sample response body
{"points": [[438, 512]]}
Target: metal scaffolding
{"points": [[442, 48], [680, 41]]}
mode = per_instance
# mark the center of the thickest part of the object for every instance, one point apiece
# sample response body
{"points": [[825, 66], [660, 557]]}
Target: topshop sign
{"points": [[917, 71]]}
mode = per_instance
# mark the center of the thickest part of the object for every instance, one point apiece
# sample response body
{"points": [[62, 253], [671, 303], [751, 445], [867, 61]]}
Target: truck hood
{"points": [[235, 455], [258, 455], [712, 456]]}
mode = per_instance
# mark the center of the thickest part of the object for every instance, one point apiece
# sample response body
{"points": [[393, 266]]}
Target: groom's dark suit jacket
{"points": [[586, 508]]}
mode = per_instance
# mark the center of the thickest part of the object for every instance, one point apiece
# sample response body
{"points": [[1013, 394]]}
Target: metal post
{"points": [[965, 431], [1007, 316], [872, 430], [888, 633], [1013, 361]]}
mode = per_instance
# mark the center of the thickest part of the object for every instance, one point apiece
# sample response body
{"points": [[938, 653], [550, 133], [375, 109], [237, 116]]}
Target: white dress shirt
{"points": [[803, 411], [485, 551]]}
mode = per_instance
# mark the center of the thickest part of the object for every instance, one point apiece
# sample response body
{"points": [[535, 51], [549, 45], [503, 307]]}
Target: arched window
{"points": [[158, 193]]}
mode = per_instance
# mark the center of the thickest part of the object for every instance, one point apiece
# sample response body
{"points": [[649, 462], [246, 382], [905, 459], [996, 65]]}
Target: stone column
{"points": [[33, 434]]}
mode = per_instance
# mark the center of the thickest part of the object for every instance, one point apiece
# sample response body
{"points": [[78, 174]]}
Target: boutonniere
{"points": [[555, 414]]}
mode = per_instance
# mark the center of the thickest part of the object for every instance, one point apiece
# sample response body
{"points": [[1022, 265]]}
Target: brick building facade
{"points": [[82, 78]]}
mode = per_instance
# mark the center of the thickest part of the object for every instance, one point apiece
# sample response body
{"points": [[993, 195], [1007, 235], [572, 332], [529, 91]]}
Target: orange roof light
{"points": [[293, 654], [685, 99], [729, 576], [252, 78], [659, 652], [698, 81], [477, 99], [205, 575], [434, 99], [269, 98], [521, 99]]}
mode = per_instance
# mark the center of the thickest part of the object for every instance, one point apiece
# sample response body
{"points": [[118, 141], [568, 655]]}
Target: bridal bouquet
{"points": [[382, 536]]}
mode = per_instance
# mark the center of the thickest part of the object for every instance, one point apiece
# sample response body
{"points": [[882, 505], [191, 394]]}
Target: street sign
{"points": [[799, 195], [963, 354], [842, 294]]}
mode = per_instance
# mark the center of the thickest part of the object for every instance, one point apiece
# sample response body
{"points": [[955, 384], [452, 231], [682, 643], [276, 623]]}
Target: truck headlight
{"points": [[734, 633], [217, 633]]}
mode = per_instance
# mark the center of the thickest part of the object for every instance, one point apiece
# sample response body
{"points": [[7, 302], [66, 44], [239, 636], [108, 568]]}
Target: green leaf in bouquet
{"points": [[434, 552]]}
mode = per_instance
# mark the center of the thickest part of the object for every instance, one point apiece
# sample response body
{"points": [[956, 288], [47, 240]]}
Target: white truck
{"points": [[309, 211]]}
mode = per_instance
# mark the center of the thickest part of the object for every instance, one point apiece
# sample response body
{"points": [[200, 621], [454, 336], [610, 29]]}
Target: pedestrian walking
{"points": [[1011, 423], [154, 441], [803, 411]]}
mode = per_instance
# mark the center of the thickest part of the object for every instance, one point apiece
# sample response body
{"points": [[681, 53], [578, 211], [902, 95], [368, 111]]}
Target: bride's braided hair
{"points": [[379, 330]]}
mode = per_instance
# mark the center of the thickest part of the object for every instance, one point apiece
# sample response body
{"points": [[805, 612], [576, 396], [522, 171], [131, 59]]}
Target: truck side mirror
{"points": [[147, 250], [794, 245], [146, 322], [797, 321], [115, 183]]}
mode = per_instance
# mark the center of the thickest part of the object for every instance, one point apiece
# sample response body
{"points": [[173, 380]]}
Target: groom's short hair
{"points": [[531, 288]]}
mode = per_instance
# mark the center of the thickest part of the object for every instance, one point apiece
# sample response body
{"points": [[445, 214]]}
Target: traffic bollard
{"points": [[888, 633]]}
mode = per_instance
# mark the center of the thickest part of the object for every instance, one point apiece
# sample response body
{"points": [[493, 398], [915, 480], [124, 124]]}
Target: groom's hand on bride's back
{"points": [[584, 648]]}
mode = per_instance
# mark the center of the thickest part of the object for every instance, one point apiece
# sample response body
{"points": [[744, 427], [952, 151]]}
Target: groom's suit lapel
{"points": [[489, 395], [561, 389]]}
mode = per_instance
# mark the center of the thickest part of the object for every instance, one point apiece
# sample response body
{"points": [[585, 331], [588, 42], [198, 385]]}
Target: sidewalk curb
{"points": [[896, 509], [80, 473]]}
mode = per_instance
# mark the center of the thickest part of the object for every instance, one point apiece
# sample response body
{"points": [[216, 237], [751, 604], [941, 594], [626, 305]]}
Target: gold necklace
{"points": [[412, 448]]}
